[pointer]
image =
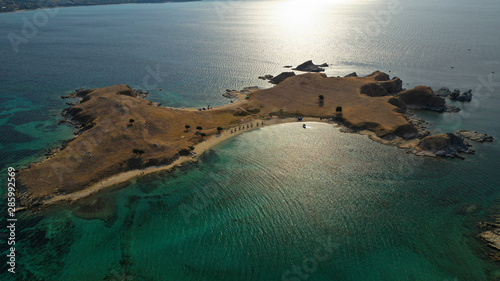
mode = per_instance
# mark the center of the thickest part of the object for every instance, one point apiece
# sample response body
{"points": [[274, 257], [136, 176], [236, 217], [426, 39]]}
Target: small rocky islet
{"points": [[455, 94]]}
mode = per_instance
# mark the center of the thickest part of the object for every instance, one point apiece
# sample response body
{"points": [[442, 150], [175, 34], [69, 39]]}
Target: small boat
{"points": [[304, 126]]}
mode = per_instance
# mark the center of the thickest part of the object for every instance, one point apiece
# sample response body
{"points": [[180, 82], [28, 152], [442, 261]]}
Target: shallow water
{"points": [[263, 202]]}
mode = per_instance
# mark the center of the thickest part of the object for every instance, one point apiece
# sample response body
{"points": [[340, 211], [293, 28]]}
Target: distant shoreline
{"points": [[4, 11]]}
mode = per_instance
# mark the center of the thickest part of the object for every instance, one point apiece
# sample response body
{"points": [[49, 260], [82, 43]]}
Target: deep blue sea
{"points": [[276, 203]]}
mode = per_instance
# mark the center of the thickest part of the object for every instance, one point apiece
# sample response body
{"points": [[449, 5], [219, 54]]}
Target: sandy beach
{"points": [[198, 151]]}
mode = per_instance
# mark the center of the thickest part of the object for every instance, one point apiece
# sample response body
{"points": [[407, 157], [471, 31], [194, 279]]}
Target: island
{"points": [[121, 135]]}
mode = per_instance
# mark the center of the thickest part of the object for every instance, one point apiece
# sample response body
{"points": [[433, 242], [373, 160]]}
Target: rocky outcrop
{"points": [[422, 97], [382, 86], [309, 66], [266, 77], [465, 96], [407, 131], [71, 112], [420, 125], [354, 74], [402, 108], [280, 78], [84, 94], [455, 94], [474, 136], [451, 108], [446, 145], [230, 94], [379, 76], [373, 90], [134, 93], [78, 93], [393, 86], [443, 92]]}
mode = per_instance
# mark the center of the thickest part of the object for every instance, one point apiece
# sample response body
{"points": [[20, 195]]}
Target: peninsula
{"points": [[122, 135]]}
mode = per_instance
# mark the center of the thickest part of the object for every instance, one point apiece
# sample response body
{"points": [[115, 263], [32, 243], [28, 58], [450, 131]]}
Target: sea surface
{"points": [[276, 203]]}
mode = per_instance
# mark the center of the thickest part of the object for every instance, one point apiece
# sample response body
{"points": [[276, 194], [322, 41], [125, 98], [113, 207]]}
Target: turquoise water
{"points": [[337, 206], [264, 202]]}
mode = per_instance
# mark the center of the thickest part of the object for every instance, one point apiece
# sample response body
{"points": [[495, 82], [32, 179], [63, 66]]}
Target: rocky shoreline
{"points": [[455, 94], [474, 136], [111, 144], [375, 103], [419, 98]]}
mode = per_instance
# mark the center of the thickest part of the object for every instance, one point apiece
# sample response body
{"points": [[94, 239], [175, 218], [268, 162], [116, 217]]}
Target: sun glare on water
{"points": [[302, 9], [296, 16], [305, 2]]}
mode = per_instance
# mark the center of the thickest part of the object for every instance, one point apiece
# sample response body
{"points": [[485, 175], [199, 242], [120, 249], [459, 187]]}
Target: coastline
{"points": [[199, 149], [116, 125]]}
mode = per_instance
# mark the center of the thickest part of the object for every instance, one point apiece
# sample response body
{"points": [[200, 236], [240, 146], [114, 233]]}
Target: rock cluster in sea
{"points": [[455, 94], [230, 94], [474, 136], [449, 144], [451, 108], [423, 98], [266, 77], [446, 145], [233, 94], [309, 66]]}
